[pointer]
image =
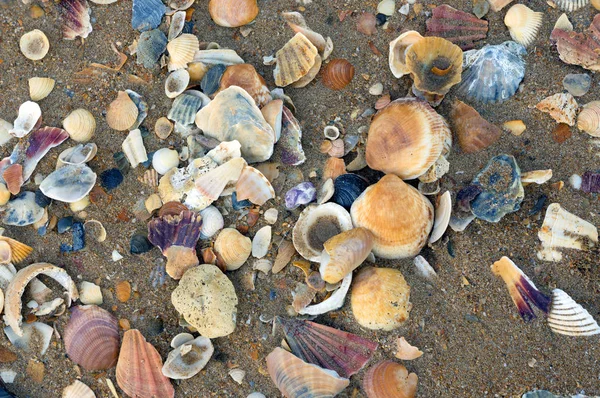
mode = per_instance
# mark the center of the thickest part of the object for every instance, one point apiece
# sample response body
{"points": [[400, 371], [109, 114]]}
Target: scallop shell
{"points": [[473, 131], [398, 47], [589, 119], [443, 212], [389, 379], [218, 56], [406, 138], [134, 149], [188, 358], [163, 128], [147, 14], [13, 176], [182, 50], [75, 16], [78, 390], [18, 251], [80, 124], [233, 247], [151, 46], [459, 27], [122, 113], [343, 253], [34, 45], [232, 13], [380, 298], [22, 210], [296, 378], [273, 114], [569, 318], [92, 338], [29, 114], [40, 87], [338, 74], [212, 184], [185, 107], [294, 60], [523, 23], [261, 242], [571, 5], [246, 77], [254, 186], [69, 183], [139, 368], [176, 83]]}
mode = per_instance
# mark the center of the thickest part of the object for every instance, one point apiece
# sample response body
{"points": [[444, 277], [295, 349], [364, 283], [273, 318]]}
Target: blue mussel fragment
{"points": [[147, 14]]}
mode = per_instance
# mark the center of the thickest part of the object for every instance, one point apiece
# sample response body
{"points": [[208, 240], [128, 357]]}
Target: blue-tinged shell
{"points": [[151, 45], [212, 79], [539, 394], [41, 199], [23, 210], [64, 224], [348, 187], [121, 162], [78, 239], [139, 244], [493, 73], [239, 204], [111, 178], [301, 194], [184, 108], [142, 108], [70, 183], [147, 14], [501, 189], [4, 393]]}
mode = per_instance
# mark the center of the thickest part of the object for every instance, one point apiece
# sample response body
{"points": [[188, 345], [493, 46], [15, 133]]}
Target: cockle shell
{"points": [[296, 378], [389, 379], [571, 5], [69, 183], [40, 87], [589, 119], [233, 247], [569, 318], [212, 222], [34, 45], [246, 77], [182, 50], [75, 16], [164, 160], [338, 74], [294, 60], [579, 48], [134, 149], [92, 338], [343, 253], [254, 186], [443, 211], [210, 186], [473, 131], [176, 83], [122, 113], [29, 114], [397, 56], [80, 124], [18, 251], [459, 27], [186, 105], [232, 13], [139, 368], [188, 358], [523, 23], [398, 232], [78, 390]]}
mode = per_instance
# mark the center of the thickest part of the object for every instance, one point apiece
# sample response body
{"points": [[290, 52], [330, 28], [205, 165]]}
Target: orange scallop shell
{"points": [[13, 175], [338, 74], [389, 379], [232, 13]]}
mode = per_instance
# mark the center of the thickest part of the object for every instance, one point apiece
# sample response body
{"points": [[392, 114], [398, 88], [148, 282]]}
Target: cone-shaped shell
{"points": [[380, 298], [344, 252], [254, 186], [40, 87], [589, 119], [389, 379], [294, 60], [92, 338], [233, 247], [122, 112], [78, 390], [182, 50], [569, 318], [398, 47], [34, 45], [246, 77], [338, 74], [298, 379], [523, 23], [139, 367], [474, 132], [80, 124], [233, 13], [398, 215], [435, 64], [406, 138]]}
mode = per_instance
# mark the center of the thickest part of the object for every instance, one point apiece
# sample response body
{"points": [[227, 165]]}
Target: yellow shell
{"points": [[233, 247], [398, 47], [380, 298], [182, 50], [294, 60], [40, 87], [344, 252], [589, 119], [80, 124], [399, 217], [122, 112], [523, 23], [34, 45]]}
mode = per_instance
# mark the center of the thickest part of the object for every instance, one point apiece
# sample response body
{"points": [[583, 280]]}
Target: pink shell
{"points": [[459, 27]]}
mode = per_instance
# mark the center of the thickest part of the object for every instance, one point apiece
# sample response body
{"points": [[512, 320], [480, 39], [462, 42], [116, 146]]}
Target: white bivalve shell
{"points": [[569, 318], [164, 160], [29, 114]]}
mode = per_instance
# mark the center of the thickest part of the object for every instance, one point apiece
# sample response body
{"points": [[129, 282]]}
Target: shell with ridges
{"points": [[338, 74], [80, 124], [34, 45], [571, 5], [254, 186], [389, 379], [19, 251], [212, 222], [523, 23], [134, 149], [75, 15], [459, 27], [40, 87], [294, 60], [589, 119], [233, 247], [77, 155], [232, 13], [343, 253], [569, 318], [78, 390], [297, 23], [182, 50], [246, 77], [122, 113], [212, 184]]}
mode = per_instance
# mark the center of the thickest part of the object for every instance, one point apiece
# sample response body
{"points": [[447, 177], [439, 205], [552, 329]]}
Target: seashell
{"points": [[578, 48], [294, 60], [225, 151], [562, 229], [338, 74], [133, 147], [177, 25], [147, 14], [497, 5], [501, 189], [577, 84], [246, 77], [296, 378], [523, 23], [296, 22], [16, 287], [290, 142], [176, 83], [5, 255], [182, 50], [139, 244], [405, 351], [522, 290], [90, 293], [180, 4], [197, 71], [233, 115], [563, 23], [206, 298], [122, 113], [516, 127], [153, 202], [22, 210], [151, 46], [69, 183], [75, 15], [13, 176], [261, 242], [92, 338], [589, 119], [334, 167], [185, 107], [40, 87], [164, 160], [348, 187], [188, 358], [398, 47], [273, 114], [473, 131], [80, 124], [443, 211], [285, 252], [163, 128], [233, 247], [212, 78], [211, 185], [237, 374], [139, 368], [389, 379], [343, 253], [29, 152], [218, 56], [501, 64], [398, 232], [232, 13], [382, 102], [366, 24], [36, 337], [380, 298], [34, 45], [100, 232], [537, 176], [331, 132], [406, 138], [4, 194], [263, 265], [569, 318], [571, 5], [302, 194], [315, 225], [29, 114], [181, 339], [212, 222], [78, 390], [254, 186], [5, 127], [77, 155], [458, 27]]}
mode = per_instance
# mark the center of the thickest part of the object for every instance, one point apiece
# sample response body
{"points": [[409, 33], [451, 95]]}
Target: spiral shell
{"points": [[389, 379], [233, 247], [294, 60], [338, 74], [523, 23], [122, 113], [40, 87], [80, 124], [232, 13], [34, 45], [343, 253], [182, 50], [589, 119]]}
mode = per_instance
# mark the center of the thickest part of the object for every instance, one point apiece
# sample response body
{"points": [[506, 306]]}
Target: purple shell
{"points": [[75, 16], [180, 230], [301, 194], [459, 27], [590, 182]]}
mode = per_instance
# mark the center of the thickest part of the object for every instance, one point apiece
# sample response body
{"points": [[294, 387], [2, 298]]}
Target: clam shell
{"points": [[389, 379], [185, 107], [177, 24], [310, 75], [90, 293], [443, 211], [13, 176], [40, 87], [233, 247], [134, 149], [246, 77], [36, 337], [29, 114], [77, 155], [75, 15], [151, 46], [273, 114], [218, 56], [296, 378], [237, 375], [569, 318], [80, 124], [139, 368], [188, 358], [397, 56], [78, 390], [122, 113], [212, 222], [589, 119], [474, 133], [164, 160], [92, 338], [176, 83], [348, 187], [459, 27], [254, 186], [294, 60], [232, 13], [182, 50], [523, 23], [338, 74], [147, 14], [380, 298], [343, 253], [34, 45], [163, 128], [22, 210], [180, 339], [69, 183], [261, 242]]}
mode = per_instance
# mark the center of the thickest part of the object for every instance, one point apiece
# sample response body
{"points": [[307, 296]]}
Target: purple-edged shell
{"points": [[180, 230], [290, 142], [459, 27], [590, 182], [301, 194], [75, 16]]}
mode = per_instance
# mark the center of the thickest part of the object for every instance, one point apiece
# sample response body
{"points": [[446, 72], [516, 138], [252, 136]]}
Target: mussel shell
{"points": [[347, 188], [212, 79], [139, 244]]}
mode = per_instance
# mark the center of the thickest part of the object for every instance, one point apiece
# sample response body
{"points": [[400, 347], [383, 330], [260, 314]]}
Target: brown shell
{"points": [[246, 77], [232, 13], [459, 27], [123, 291], [13, 175], [338, 74], [474, 132], [171, 209], [389, 379], [334, 167], [294, 60]]}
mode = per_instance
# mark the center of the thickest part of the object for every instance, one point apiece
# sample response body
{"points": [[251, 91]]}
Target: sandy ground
{"points": [[474, 342]]}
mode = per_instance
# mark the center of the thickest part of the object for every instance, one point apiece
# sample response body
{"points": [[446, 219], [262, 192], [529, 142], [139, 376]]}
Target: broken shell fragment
{"points": [[233, 247], [523, 23], [297, 23], [537, 176], [232, 13], [261, 242], [22, 210], [134, 149], [290, 142], [343, 253], [246, 77], [443, 211], [75, 16], [562, 107], [571, 5], [40, 87], [254, 186], [516, 127], [188, 358], [29, 114], [78, 390], [338, 74], [569, 318], [458, 27], [34, 45], [163, 128], [122, 113], [473, 131], [36, 337], [398, 47], [150, 48], [80, 124], [589, 119], [294, 60], [70, 183], [389, 379], [147, 14], [405, 351]]}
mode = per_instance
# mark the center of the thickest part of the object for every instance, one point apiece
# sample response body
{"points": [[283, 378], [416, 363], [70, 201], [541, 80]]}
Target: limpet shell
{"points": [[122, 113], [40, 87], [34, 45]]}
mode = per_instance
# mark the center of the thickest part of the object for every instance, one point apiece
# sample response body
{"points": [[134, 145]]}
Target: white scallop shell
{"points": [[212, 222], [40, 87], [261, 242], [29, 114], [569, 318], [182, 50], [177, 82], [164, 160], [442, 217], [523, 23], [134, 149], [78, 390]]}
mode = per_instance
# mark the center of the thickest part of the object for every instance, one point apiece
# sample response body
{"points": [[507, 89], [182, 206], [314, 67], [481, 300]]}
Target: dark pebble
{"points": [[590, 182], [41, 199], [381, 19], [539, 205], [111, 178], [139, 244]]}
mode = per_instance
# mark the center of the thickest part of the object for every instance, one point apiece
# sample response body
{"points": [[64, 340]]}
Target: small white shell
{"points": [[177, 24], [263, 265], [29, 114], [331, 132], [237, 375], [80, 204], [271, 216], [77, 155], [424, 269], [180, 339], [90, 293], [164, 160], [569, 318], [335, 301], [78, 390], [134, 149], [536, 176], [571, 5], [212, 222], [261, 242], [442, 217], [80, 124], [188, 359], [177, 82], [31, 332], [40, 87]]}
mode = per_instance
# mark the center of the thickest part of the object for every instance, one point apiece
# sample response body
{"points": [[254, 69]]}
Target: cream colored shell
{"points": [[40, 87], [80, 124], [523, 23], [122, 113], [294, 60], [589, 119], [397, 56], [233, 247], [182, 50], [34, 45]]}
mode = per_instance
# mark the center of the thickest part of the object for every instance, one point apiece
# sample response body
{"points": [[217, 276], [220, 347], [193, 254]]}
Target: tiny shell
{"points": [[516, 127], [77, 155], [78, 390], [569, 318], [405, 351], [424, 269], [537, 176], [347, 188], [182, 50], [389, 379], [562, 107], [237, 375], [261, 242], [188, 358], [29, 114], [95, 229], [122, 113], [294, 60], [290, 143], [80, 124], [134, 149], [90, 293], [40, 87], [163, 128], [34, 45], [338, 74], [589, 119], [523, 23], [176, 83], [331, 132], [473, 131], [232, 13], [233, 247], [443, 211]]}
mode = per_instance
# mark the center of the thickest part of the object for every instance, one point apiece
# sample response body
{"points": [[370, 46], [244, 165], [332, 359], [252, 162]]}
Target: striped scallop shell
{"points": [[40, 87], [589, 119], [182, 50], [78, 390], [571, 5], [294, 60], [569, 318], [212, 222], [122, 113]]}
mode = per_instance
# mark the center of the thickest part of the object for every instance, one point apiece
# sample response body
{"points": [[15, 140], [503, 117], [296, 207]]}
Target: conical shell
{"points": [[443, 211], [122, 113], [233, 247], [523, 23], [92, 338], [34, 45], [27, 119], [294, 60], [569, 318], [589, 119], [188, 358], [398, 47], [254, 186], [40, 87], [78, 390], [246, 77], [182, 50], [406, 138], [176, 83], [389, 379], [571, 5], [338, 74], [139, 367], [380, 298], [459, 27], [399, 231], [80, 124], [296, 378], [212, 222], [473, 131], [134, 149], [232, 13], [344, 252]]}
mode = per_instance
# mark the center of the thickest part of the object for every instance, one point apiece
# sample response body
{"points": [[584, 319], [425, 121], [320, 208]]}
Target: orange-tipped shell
{"points": [[246, 77], [338, 74], [19, 251]]}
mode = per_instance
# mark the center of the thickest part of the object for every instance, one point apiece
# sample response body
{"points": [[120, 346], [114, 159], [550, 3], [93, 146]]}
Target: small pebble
{"points": [[271, 216], [575, 181], [64, 224], [480, 8], [36, 12], [376, 89], [577, 84]]}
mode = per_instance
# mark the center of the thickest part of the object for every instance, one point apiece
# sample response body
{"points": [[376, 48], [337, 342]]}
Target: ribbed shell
{"points": [[523, 23], [345, 252], [182, 50], [232, 13], [338, 74], [13, 176], [78, 390], [122, 113], [233, 247], [212, 222], [254, 186], [40, 87], [179, 230], [19, 251], [459, 27], [571, 5], [569, 318], [389, 379], [75, 16], [80, 124], [212, 184], [589, 119], [294, 60]]}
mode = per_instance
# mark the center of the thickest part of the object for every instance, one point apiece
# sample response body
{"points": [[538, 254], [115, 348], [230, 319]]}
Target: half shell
{"points": [[343, 253], [122, 113], [589, 119], [389, 379], [338, 74], [182, 50], [232, 13], [569, 318], [176, 83], [443, 212], [40, 87], [233, 247], [212, 222], [134, 149], [75, 16], [398, 47], [78, 390], [473, 131], [187, 359], [29, 114], [34, 45], [80, 124], [523, 23], [69, 183], [254, 186]]}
